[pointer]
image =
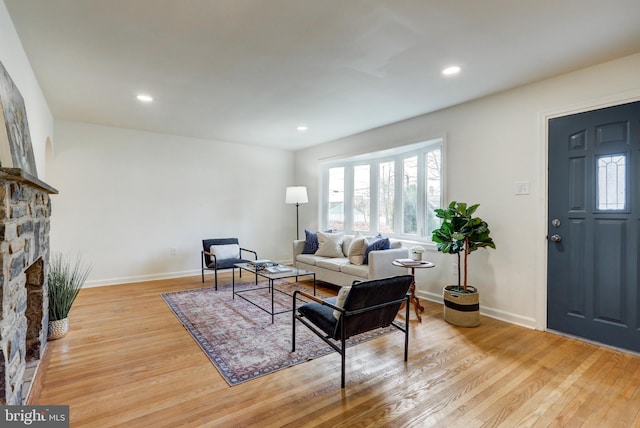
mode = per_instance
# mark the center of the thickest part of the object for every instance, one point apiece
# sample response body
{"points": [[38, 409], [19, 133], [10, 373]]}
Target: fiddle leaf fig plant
{"points": [[460, 232]]}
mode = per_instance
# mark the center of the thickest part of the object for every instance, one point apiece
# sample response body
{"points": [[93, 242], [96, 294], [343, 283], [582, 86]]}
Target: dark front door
{"points": [[593, 234]]}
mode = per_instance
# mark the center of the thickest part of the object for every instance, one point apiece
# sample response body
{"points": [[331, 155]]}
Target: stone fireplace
{"points": [[25, 210]]}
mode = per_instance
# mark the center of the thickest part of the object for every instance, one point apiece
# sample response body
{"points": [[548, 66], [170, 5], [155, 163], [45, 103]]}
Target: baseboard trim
{"points": [[141, 278], [152, 277], [35, 389], [498, 314]]}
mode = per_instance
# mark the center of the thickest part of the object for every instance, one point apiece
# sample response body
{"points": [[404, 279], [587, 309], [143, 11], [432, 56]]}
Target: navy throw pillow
{"points": [[378, 243], [311, 241]]}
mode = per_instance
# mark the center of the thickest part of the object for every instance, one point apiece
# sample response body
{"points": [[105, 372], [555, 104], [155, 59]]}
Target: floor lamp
{"points": [[297, 195]]}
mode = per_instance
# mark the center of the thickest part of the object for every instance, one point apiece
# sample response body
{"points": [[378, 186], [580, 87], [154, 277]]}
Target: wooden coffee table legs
{"points": [[414, 299]]}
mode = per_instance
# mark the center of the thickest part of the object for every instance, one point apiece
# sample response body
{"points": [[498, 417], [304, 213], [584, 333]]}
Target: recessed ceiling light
{"points": [[302, 128], [450, 71], [144, 98]]}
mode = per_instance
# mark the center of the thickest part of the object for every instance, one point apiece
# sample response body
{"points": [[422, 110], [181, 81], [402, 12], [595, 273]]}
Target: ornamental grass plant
{"points": [[66, 278]]}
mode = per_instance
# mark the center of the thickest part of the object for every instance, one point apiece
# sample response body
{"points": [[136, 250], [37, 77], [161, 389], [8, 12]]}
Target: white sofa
{"points": [[340, 271]]}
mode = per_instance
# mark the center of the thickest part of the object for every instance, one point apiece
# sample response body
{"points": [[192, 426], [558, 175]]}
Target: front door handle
{"points": [[556, 238]]}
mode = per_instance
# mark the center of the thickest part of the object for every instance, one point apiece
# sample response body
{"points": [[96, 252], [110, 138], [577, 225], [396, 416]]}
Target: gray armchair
{"points": [[368, 306], [227, 255]]}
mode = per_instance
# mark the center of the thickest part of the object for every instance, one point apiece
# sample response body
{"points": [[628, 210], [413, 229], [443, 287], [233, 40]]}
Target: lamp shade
{"points": [[296, 195]]}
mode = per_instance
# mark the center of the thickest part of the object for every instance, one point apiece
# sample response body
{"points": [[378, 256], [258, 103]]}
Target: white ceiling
{"points": [[250, 71]]}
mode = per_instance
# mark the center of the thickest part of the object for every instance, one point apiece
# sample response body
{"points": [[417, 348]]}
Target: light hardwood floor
{"points": [[127, 361]]}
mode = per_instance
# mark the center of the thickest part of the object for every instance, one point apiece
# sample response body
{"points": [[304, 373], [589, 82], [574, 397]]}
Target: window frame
{"points": [[374, 159]]}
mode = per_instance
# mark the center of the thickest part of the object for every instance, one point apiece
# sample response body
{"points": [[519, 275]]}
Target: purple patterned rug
{"points": [[239, 338]]}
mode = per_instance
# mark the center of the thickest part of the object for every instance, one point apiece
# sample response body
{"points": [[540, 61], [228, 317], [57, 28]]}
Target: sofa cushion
{"points": [[309, 259], [311, 241], [346, 243], [378, 243], [330, 244], [357, 249], [361, 271], [321, 314], [332, 263]]}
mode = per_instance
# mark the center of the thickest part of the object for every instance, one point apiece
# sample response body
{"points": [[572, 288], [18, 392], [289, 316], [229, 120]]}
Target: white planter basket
{"points": [[58, 328], [462, 309]]}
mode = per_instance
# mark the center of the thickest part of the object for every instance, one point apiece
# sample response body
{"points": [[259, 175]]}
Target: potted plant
{"points": [[65, 279], [460, 232]]}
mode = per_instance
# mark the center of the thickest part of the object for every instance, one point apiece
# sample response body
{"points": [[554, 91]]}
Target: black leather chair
{"points": [[368, 306], [211, 261]]}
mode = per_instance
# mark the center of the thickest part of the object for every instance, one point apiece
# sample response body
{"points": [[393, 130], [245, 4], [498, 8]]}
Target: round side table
{"points": [[413, 265]]}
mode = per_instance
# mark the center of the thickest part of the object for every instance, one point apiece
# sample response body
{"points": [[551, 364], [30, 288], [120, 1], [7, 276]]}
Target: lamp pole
{"points": [[297, 222], [297, 195]]}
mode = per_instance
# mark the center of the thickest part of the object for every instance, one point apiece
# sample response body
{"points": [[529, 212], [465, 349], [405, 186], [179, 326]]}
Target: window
{"points": [[410, 195], [386, 196], [335, 209], [611, 182], [361, 195], [393, 192]]}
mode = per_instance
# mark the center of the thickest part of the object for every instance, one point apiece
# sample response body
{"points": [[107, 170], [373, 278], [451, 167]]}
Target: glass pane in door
{"points": [[611, 182]]}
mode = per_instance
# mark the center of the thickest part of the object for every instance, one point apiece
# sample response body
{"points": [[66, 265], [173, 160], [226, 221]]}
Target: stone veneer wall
{"points": [[25, 212]]}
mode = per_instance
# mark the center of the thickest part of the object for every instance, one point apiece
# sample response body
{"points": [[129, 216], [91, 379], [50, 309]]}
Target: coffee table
{"points": [[271, 277]]}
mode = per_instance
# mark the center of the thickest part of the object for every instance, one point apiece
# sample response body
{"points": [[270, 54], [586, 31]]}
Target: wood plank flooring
{"points": [[127, 361]]}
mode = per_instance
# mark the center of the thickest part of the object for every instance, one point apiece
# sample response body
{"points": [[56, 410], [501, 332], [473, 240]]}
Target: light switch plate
{"points": [[522, 187]]}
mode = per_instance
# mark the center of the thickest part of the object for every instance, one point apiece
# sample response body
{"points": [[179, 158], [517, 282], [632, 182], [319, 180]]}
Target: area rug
{"points": [[240, 339]]}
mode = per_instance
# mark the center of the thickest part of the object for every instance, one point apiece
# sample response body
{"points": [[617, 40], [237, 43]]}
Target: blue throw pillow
{"points": [[378, 243], [311, 241]]}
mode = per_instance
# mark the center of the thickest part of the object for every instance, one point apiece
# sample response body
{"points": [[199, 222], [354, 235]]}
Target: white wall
{"points": [[15, 61], [127, 197], [491, 144]]}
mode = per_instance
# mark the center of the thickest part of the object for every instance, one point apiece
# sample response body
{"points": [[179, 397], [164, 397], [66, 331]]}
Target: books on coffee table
{"points": [[269, 266], [278, 269], [259, 262]]}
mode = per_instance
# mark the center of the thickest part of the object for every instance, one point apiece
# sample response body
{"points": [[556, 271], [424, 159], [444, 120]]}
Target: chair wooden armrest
{"points": [[249, 251], [316, 299], [309, 296]]}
